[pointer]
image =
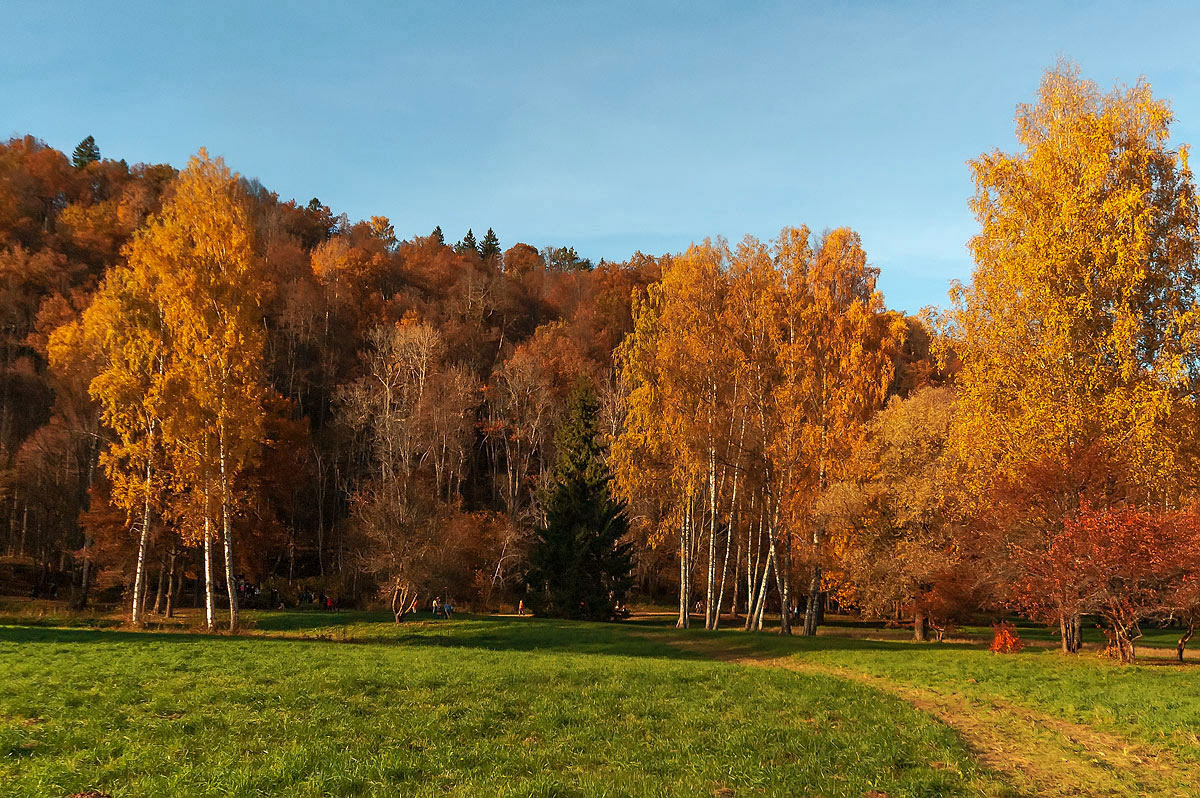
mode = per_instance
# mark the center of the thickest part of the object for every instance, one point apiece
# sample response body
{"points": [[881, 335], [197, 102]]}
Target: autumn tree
{"points": [[893, 519], [522, 259], [123, 329], [413, 413], [673, 366], [1122, 564], [836, 362], [208, 285], [1078, 330]]}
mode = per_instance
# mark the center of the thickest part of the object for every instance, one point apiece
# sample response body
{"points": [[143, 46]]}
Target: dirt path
{"points": [[1035, 753]]}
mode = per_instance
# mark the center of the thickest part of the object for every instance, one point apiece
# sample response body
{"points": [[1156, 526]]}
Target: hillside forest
{"points": [[216, 398]]}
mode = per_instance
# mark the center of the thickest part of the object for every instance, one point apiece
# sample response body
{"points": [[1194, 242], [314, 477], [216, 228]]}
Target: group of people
{"points": [[442, 609], [321, 601]]}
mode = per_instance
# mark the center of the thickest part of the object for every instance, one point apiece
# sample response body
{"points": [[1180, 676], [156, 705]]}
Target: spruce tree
{"points": [[467, 244], [438, 236], [490, 246], [87, 152], [578, 567]]}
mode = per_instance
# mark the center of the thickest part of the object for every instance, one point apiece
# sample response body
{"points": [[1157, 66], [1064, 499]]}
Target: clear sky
{"points": [[609, 126]]}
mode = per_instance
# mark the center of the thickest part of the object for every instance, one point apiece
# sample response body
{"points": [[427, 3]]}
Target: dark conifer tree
{"points": [[467, 244], [579, 567], [87, 152], [490, 248], [438, 236]]}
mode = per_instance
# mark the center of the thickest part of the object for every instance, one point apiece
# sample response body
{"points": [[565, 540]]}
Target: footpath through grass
{"points": [[313, 705], [1052, 724]]}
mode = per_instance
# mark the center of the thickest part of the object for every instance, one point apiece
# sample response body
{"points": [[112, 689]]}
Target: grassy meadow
{"points": [[315, 704]]}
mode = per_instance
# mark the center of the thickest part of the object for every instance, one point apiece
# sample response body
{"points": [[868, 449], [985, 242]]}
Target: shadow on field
{"points": [[652, 638]]}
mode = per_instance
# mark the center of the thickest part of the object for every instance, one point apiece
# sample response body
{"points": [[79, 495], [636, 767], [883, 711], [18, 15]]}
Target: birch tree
{"points": [[122, 328], [207, 288], [1079, 329]]}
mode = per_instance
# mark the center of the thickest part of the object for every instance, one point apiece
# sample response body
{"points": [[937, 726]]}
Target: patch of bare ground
{"points": [[1032, 752]]}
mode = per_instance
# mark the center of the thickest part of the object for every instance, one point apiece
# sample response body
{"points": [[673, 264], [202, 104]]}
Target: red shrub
{"points": [[1005, 639]]}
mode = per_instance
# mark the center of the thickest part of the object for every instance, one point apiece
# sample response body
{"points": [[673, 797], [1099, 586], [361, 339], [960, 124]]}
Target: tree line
{"points": [[205, 386], [204, 383], [1031, 448]]}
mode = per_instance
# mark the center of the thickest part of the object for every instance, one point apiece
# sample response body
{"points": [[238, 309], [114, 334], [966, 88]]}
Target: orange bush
{"points": [[1005, 639]]}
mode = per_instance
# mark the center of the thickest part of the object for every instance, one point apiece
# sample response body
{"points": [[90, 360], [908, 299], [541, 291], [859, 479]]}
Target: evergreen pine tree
{"points": [[578, 567], [438, 236], [87, 152], [490, 246], [467, 244]]}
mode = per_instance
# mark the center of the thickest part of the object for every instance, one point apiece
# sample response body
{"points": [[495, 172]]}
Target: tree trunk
{"points": [[1183, 640], [24, 528], [782, 580], [143, 539], [685, 591], [85, 579], [1069, 628], [209, 604], [761, 605], [12, 521], [158, 594], [737, 580], [724, 574], [752, 572], [171, 585], [810, 608], [198, 601], [227, 520], [230, 586], [402, 600], [920, 626], [709, 603], [751, 569]]}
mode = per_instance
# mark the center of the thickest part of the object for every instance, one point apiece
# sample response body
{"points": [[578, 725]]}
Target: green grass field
{"points": [[313, 704]]}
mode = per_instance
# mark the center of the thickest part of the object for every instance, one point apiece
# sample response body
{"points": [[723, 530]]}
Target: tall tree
{"points": [[836, 362], [123, 326], [86, 152], [579, 566], [468, 244], [490, 246], [208, 290], [1079, 330]]}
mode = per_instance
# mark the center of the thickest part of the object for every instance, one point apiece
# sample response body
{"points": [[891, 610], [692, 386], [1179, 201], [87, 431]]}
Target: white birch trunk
{"points": [[143, 540], [227, 522], [209, 605]]}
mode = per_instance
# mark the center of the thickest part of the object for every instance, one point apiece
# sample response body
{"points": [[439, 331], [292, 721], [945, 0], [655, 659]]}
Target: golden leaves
{"points": [[1080, 323]]}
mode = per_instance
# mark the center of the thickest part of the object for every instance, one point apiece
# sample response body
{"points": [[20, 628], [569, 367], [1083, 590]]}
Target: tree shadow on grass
{"points": [[480, 633]]}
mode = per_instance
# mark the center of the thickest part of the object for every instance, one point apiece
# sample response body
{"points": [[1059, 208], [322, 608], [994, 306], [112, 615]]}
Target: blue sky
{"points": [[609, 126]]}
